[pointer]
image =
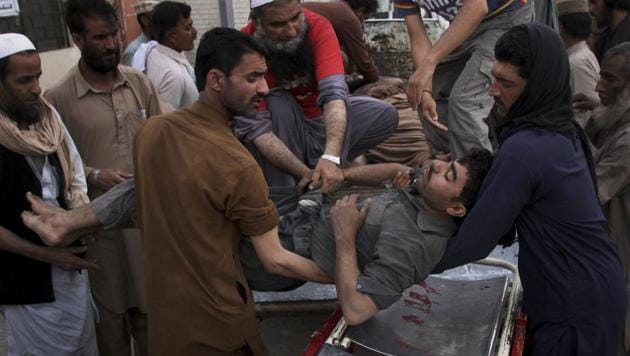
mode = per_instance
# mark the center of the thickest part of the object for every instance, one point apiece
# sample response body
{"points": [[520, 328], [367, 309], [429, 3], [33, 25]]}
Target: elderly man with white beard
{"points": [[609, 131], [308, 126]]}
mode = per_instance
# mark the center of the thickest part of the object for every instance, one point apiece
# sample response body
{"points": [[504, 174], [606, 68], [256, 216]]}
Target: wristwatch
{"points": [[334, 159]]}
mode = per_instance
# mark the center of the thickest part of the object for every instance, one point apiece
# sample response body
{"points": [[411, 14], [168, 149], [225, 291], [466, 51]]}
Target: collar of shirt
{"points": [[208, 113], [179, 57], [83, 86], [427, 222], [580, 46]]}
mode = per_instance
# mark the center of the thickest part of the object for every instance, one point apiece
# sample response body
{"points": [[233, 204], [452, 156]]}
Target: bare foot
{"points": [[47, 221], [39, 207], [49, 227]]}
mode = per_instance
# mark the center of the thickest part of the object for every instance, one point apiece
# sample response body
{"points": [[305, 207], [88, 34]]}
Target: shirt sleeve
{"points": [[505, 191], [404, 8], [331, 88], [249, 205], [326, 50], [172, 88], [156, 104], [585, 78], [613, 169]]}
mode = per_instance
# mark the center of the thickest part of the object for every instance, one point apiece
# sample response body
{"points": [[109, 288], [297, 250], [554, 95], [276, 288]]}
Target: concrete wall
{"points": [[55, 64], [389, 44]]}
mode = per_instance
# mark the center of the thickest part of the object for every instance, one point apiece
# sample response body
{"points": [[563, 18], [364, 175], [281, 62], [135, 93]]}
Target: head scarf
{"points": [[546, 101]]}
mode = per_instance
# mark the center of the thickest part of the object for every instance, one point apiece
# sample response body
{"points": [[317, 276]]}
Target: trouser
{"points": [[460, 87], [64, 327], [114, 331], [369, 122], [119, 291]]}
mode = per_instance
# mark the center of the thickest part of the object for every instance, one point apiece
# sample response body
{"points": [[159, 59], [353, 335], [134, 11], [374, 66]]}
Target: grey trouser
{"points": [[370, 121], [460, 87]]}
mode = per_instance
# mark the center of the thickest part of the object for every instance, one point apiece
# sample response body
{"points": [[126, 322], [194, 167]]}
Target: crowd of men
{"points": [[182, 188]]}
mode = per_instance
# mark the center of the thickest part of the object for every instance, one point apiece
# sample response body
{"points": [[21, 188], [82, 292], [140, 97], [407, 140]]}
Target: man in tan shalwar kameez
{"points": [[103, 104]]}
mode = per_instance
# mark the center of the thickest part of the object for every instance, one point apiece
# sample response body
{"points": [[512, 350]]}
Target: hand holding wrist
{"points": [[331, 158]]}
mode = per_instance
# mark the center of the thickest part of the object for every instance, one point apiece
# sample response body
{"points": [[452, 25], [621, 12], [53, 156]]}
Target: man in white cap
{"points": [[308, 126], [103, 104], [575, 28], [144, 14], [44, 297]]}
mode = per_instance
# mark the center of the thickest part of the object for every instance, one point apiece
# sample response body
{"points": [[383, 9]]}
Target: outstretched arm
{"points": [[346, 219], [335, 119], [277, 260], [373, 174], [469, 17], [278, 154]]}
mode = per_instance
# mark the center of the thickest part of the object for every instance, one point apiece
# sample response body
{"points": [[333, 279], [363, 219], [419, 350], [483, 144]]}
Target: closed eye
{"points": [[451, 173]]}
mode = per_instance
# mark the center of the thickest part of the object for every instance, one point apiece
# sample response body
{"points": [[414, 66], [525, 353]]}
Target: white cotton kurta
{"points": [[66, 326], [171, 73]]}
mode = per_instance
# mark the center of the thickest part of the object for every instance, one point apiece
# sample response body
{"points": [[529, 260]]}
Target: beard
{"points": [[621, 103], [288, 47], [95, 59], [24, 114], [289, 60]]}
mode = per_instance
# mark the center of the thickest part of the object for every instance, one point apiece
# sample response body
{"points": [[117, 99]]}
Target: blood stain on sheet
{"points": [[413, 319], [428, 288]]}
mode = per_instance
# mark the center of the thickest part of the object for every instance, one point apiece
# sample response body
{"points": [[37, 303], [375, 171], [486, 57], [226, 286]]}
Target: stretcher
{"points": [[441, 316]]}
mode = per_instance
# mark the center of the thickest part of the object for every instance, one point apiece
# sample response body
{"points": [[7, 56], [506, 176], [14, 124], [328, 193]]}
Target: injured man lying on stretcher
{"points": [[402, 238]]}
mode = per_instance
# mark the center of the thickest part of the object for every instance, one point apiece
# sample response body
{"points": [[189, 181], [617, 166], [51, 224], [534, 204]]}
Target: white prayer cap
{"points": [[12, 43], [258, 3]]}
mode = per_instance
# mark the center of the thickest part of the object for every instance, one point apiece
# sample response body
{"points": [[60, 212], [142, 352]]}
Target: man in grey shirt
{"points": [[402, 237]]}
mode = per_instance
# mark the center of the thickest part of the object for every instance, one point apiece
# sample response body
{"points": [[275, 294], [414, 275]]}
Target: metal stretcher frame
{"points": [[333, 337]]}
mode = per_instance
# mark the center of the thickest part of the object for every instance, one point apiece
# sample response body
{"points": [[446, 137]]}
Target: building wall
{"points": [[241, 13], [41, 21], [129, 27], [55, 65]]}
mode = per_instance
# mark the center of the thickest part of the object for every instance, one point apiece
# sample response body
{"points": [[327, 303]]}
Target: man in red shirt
{"points": [[309, 125]]}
